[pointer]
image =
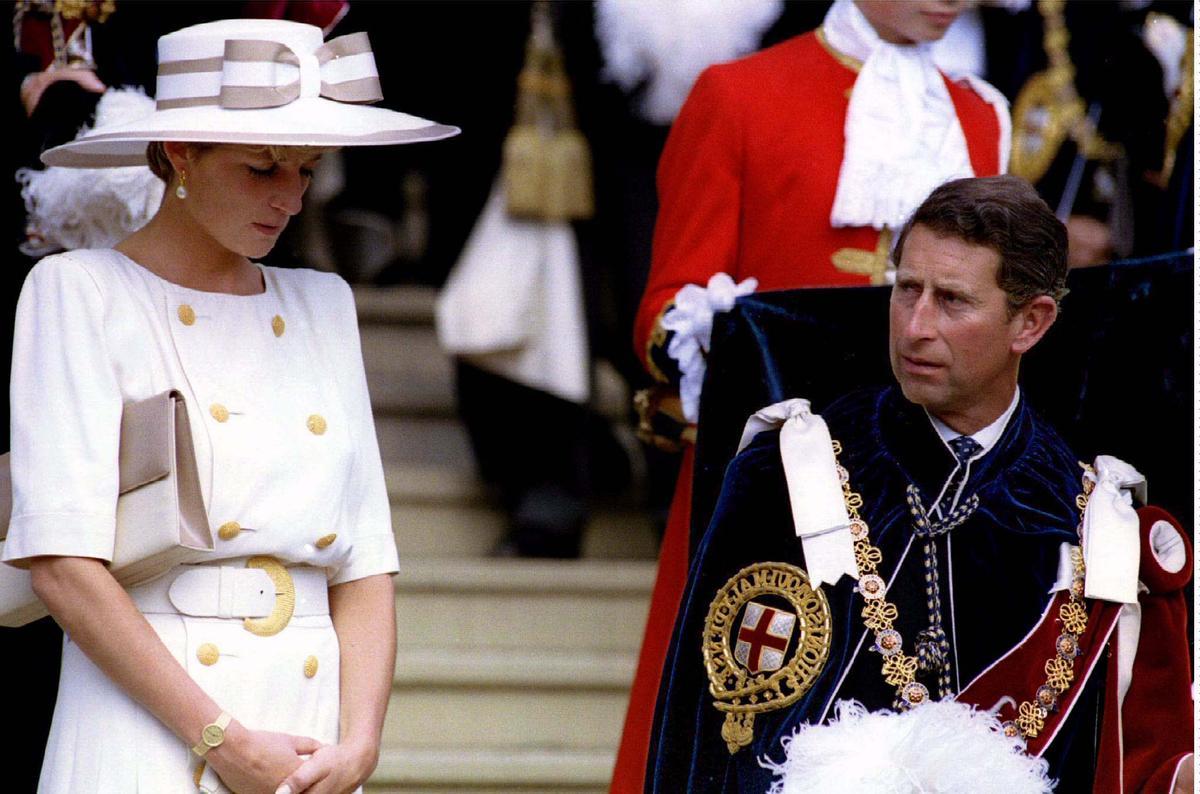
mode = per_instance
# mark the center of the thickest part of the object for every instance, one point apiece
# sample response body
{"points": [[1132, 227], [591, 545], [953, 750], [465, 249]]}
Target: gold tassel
{"points": [[568, 176], [547, 167], [524, 171]]}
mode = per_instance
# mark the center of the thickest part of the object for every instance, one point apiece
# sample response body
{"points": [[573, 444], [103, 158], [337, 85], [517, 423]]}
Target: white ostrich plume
{"points": [[667, 43], [94, 207], [939, 748]]}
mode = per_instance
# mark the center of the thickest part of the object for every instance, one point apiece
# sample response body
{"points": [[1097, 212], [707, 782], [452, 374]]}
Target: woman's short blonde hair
{"points": [[160, 164]]}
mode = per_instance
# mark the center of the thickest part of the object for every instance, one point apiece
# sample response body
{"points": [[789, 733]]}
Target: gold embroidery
{"points": [[851, 63], [658, 338], [899, 669], [742, 687], [867, 556], [1049, 110], [879, 614], [1031, 718], [1074, 617], [1060, 668], [1060, 673], [867, 263]]}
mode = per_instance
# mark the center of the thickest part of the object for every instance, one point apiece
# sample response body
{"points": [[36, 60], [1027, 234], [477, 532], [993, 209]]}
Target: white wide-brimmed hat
{"points": [[260, 82]]}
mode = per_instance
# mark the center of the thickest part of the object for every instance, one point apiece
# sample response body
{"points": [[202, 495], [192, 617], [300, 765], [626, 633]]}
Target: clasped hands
{"points": [[264, 762]]}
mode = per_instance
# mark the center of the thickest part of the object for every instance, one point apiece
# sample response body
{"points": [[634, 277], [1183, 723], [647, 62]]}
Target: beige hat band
{"points": [[263, 74]]}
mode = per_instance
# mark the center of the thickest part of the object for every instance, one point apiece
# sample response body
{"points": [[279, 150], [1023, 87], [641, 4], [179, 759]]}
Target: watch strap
{"points": [[221, 723]]}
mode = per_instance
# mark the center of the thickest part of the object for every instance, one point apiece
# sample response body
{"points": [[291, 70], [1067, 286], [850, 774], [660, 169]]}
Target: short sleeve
{"points": [[66, 416], [367, 515]]}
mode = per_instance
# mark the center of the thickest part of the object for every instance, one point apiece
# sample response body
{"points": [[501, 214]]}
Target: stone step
{"points": [[523, 605], [507, 668], [407, 372], [485, 771], [424, 441], [446, 530], [569, 718], [460, 521], [415, 484]]}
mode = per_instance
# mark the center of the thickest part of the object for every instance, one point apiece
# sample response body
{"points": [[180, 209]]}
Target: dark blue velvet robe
{"points": [[1004, 559]]}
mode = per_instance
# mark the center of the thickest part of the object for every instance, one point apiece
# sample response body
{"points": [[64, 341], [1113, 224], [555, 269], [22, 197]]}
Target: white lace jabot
{"points": [[903, 137]]}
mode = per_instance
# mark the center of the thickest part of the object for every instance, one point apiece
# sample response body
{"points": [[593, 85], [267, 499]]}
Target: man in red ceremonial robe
{"points": [[791, 168]]}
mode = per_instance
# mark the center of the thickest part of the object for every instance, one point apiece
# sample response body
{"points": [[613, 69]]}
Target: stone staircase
{"points": [[512, 675]]}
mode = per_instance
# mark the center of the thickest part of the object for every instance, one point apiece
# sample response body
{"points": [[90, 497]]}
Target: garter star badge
{"points": [[766, 639]]}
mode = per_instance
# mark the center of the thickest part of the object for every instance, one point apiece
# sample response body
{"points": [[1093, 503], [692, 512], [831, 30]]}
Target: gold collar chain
{"points": [[900, 669]]}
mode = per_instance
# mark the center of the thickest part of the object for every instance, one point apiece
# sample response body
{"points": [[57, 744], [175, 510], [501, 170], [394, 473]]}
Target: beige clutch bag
{"points": [[161, 519]]}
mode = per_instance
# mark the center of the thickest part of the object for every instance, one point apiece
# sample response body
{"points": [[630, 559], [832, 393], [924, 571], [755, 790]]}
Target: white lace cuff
{"points": [[691, 320]]}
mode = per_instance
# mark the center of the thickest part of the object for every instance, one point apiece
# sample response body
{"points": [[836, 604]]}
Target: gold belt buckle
{"points": [[285, 598]]}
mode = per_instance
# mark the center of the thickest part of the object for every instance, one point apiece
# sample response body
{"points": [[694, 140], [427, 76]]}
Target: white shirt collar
{"points": [[985, 438]]}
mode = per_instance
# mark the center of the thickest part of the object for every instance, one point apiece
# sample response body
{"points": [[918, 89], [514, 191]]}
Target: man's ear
{"points": [[1034, 320]]}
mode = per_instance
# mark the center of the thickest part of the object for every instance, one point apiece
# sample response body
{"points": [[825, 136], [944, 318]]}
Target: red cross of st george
{"points": [[758, 637]]}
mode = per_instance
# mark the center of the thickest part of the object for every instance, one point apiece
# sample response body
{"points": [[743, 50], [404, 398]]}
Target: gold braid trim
{"points": [[851, 63], [657, 338], [1049, 109]]}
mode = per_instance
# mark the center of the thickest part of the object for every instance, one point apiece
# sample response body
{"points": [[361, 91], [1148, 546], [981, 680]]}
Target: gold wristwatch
{"points": [[212, 735]]}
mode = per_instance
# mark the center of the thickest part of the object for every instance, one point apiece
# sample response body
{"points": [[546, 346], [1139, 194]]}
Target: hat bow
{"points": [[257, 73]]}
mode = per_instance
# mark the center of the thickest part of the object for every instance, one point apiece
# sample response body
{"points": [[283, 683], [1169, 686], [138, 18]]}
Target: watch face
{"points": [[213, 735]]}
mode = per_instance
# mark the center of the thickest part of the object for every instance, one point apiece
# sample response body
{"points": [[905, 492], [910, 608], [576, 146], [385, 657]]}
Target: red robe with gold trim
{"points": [[746, 184]]}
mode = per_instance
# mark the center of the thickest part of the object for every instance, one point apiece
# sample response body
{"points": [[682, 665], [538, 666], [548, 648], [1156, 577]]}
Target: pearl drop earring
{"points": [[181, 191]]}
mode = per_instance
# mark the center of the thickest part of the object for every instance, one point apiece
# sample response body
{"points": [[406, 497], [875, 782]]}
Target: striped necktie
{"points": [[964, 448]]}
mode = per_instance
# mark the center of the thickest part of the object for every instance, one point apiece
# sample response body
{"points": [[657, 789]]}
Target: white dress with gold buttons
{"points": [[289, 467]]}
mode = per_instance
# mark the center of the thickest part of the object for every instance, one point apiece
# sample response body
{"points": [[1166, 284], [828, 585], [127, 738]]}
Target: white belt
{"points": [[238, 588]]}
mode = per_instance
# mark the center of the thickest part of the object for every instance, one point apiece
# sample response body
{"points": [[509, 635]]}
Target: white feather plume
{"points": [[939, 748], [667, 43], [94, 207]]}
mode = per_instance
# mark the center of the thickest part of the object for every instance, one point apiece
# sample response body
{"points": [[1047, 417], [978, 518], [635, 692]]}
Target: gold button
{"points": [[187, 315], [219, 412], [310, 667], [277, 325], [229, 530], [316, 424], [325, 541], [208, 654]]}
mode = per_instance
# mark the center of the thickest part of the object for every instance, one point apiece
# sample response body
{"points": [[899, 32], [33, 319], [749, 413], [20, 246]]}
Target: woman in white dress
{"points": [[181, 683]]}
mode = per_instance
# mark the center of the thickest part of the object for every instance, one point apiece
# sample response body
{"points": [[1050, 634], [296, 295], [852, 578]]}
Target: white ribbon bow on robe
{"points": [[814, 490], [1111, 542]]}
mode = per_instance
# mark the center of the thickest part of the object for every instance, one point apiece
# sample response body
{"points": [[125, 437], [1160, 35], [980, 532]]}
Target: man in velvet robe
{"points": [[971, 500]]}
